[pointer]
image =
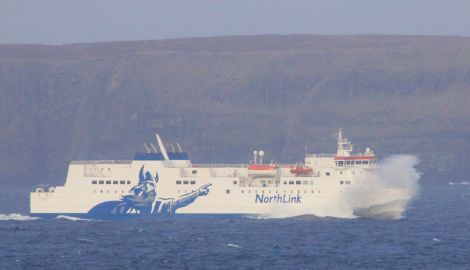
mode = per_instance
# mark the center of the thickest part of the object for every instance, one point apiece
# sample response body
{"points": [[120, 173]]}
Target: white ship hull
{"points": [[166, 183]]}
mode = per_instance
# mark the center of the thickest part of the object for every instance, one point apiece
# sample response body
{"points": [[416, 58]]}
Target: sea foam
{"points": [[17, 217]]}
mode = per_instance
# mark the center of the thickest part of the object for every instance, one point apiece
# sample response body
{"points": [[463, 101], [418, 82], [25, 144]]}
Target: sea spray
{"points": [[383, 193], [386, 192], [17, 217]]}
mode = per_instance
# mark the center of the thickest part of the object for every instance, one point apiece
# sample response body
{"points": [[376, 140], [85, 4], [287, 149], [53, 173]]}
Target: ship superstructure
{"points": [[163, 181]]}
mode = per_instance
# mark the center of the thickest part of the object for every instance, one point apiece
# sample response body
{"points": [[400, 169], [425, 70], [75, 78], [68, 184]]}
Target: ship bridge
{"points": [[344, 156]]}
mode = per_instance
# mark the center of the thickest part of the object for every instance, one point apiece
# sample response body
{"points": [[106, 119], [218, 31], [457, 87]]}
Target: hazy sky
{"points": [[58, 22]]}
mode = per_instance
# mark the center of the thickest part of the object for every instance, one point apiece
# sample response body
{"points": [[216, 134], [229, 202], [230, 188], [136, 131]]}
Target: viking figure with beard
{"points": [[143, 199]]}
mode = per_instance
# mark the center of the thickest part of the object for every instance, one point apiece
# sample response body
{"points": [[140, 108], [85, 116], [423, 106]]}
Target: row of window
{"points": [[298, 182], [354, 162], [276, 191], [345, 182], [107, 191], [185, 182], [109, 182]]}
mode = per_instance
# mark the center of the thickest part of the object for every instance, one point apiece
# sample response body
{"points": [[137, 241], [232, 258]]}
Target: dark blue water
{"points": [[434, 234]]}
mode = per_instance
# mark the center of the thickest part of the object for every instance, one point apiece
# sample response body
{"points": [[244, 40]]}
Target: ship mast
{"points": [[162, 147], [344, 145]]}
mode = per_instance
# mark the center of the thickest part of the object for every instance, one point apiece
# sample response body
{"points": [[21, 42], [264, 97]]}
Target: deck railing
{"points": [[219, 165], [101, 162], [320, 155]]}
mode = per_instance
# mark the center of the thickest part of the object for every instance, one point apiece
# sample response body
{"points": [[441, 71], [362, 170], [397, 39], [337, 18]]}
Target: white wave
{"points": [[383, 194], [72, 218], [388, 191], [233, 245], [15, 216], [463, 183]]}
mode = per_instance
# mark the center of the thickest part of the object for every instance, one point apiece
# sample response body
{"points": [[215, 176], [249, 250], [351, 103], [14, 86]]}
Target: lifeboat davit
{"points": [[262, 170], [301, 170]]}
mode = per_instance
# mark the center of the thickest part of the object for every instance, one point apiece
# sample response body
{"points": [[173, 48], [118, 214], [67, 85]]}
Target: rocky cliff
{"points": [[223, 97]]}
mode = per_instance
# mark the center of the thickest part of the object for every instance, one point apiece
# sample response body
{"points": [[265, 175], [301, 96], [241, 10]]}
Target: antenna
{"points": [[147, 148], [154, 148], [162, 147], [179, 147]]}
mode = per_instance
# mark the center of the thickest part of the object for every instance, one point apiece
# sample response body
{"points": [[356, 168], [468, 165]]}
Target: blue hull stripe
{"points": [[130, 216]]}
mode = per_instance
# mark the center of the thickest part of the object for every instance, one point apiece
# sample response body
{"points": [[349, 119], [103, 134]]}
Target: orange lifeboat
{"points": [[301, 170], [262, 170]]}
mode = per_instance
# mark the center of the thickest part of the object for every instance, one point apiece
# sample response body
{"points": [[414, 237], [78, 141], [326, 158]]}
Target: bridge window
{"points": [[178, 182], [358, 162], [122, 182], [365, 162]]}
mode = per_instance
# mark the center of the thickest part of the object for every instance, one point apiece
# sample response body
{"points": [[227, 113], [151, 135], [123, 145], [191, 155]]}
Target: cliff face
{"points": [[223, 97]]}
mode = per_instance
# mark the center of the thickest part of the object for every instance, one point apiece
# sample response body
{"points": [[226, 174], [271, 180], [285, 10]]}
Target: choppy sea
{"points": [[434, 234]]}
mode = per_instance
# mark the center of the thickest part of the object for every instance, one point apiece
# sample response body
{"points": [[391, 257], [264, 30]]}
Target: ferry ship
{"points": [[162, 181]]}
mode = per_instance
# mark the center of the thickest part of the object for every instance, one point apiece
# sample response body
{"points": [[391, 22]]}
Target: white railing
{"points": [[101, 162], [235, 165], [219, 165], [320, 155]]}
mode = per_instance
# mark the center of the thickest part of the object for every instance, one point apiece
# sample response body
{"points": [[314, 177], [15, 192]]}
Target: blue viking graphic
{"points": [[143, 199]]}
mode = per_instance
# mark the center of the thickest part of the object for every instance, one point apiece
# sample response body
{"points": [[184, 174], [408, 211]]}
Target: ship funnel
{"points": [[162, 147]]}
